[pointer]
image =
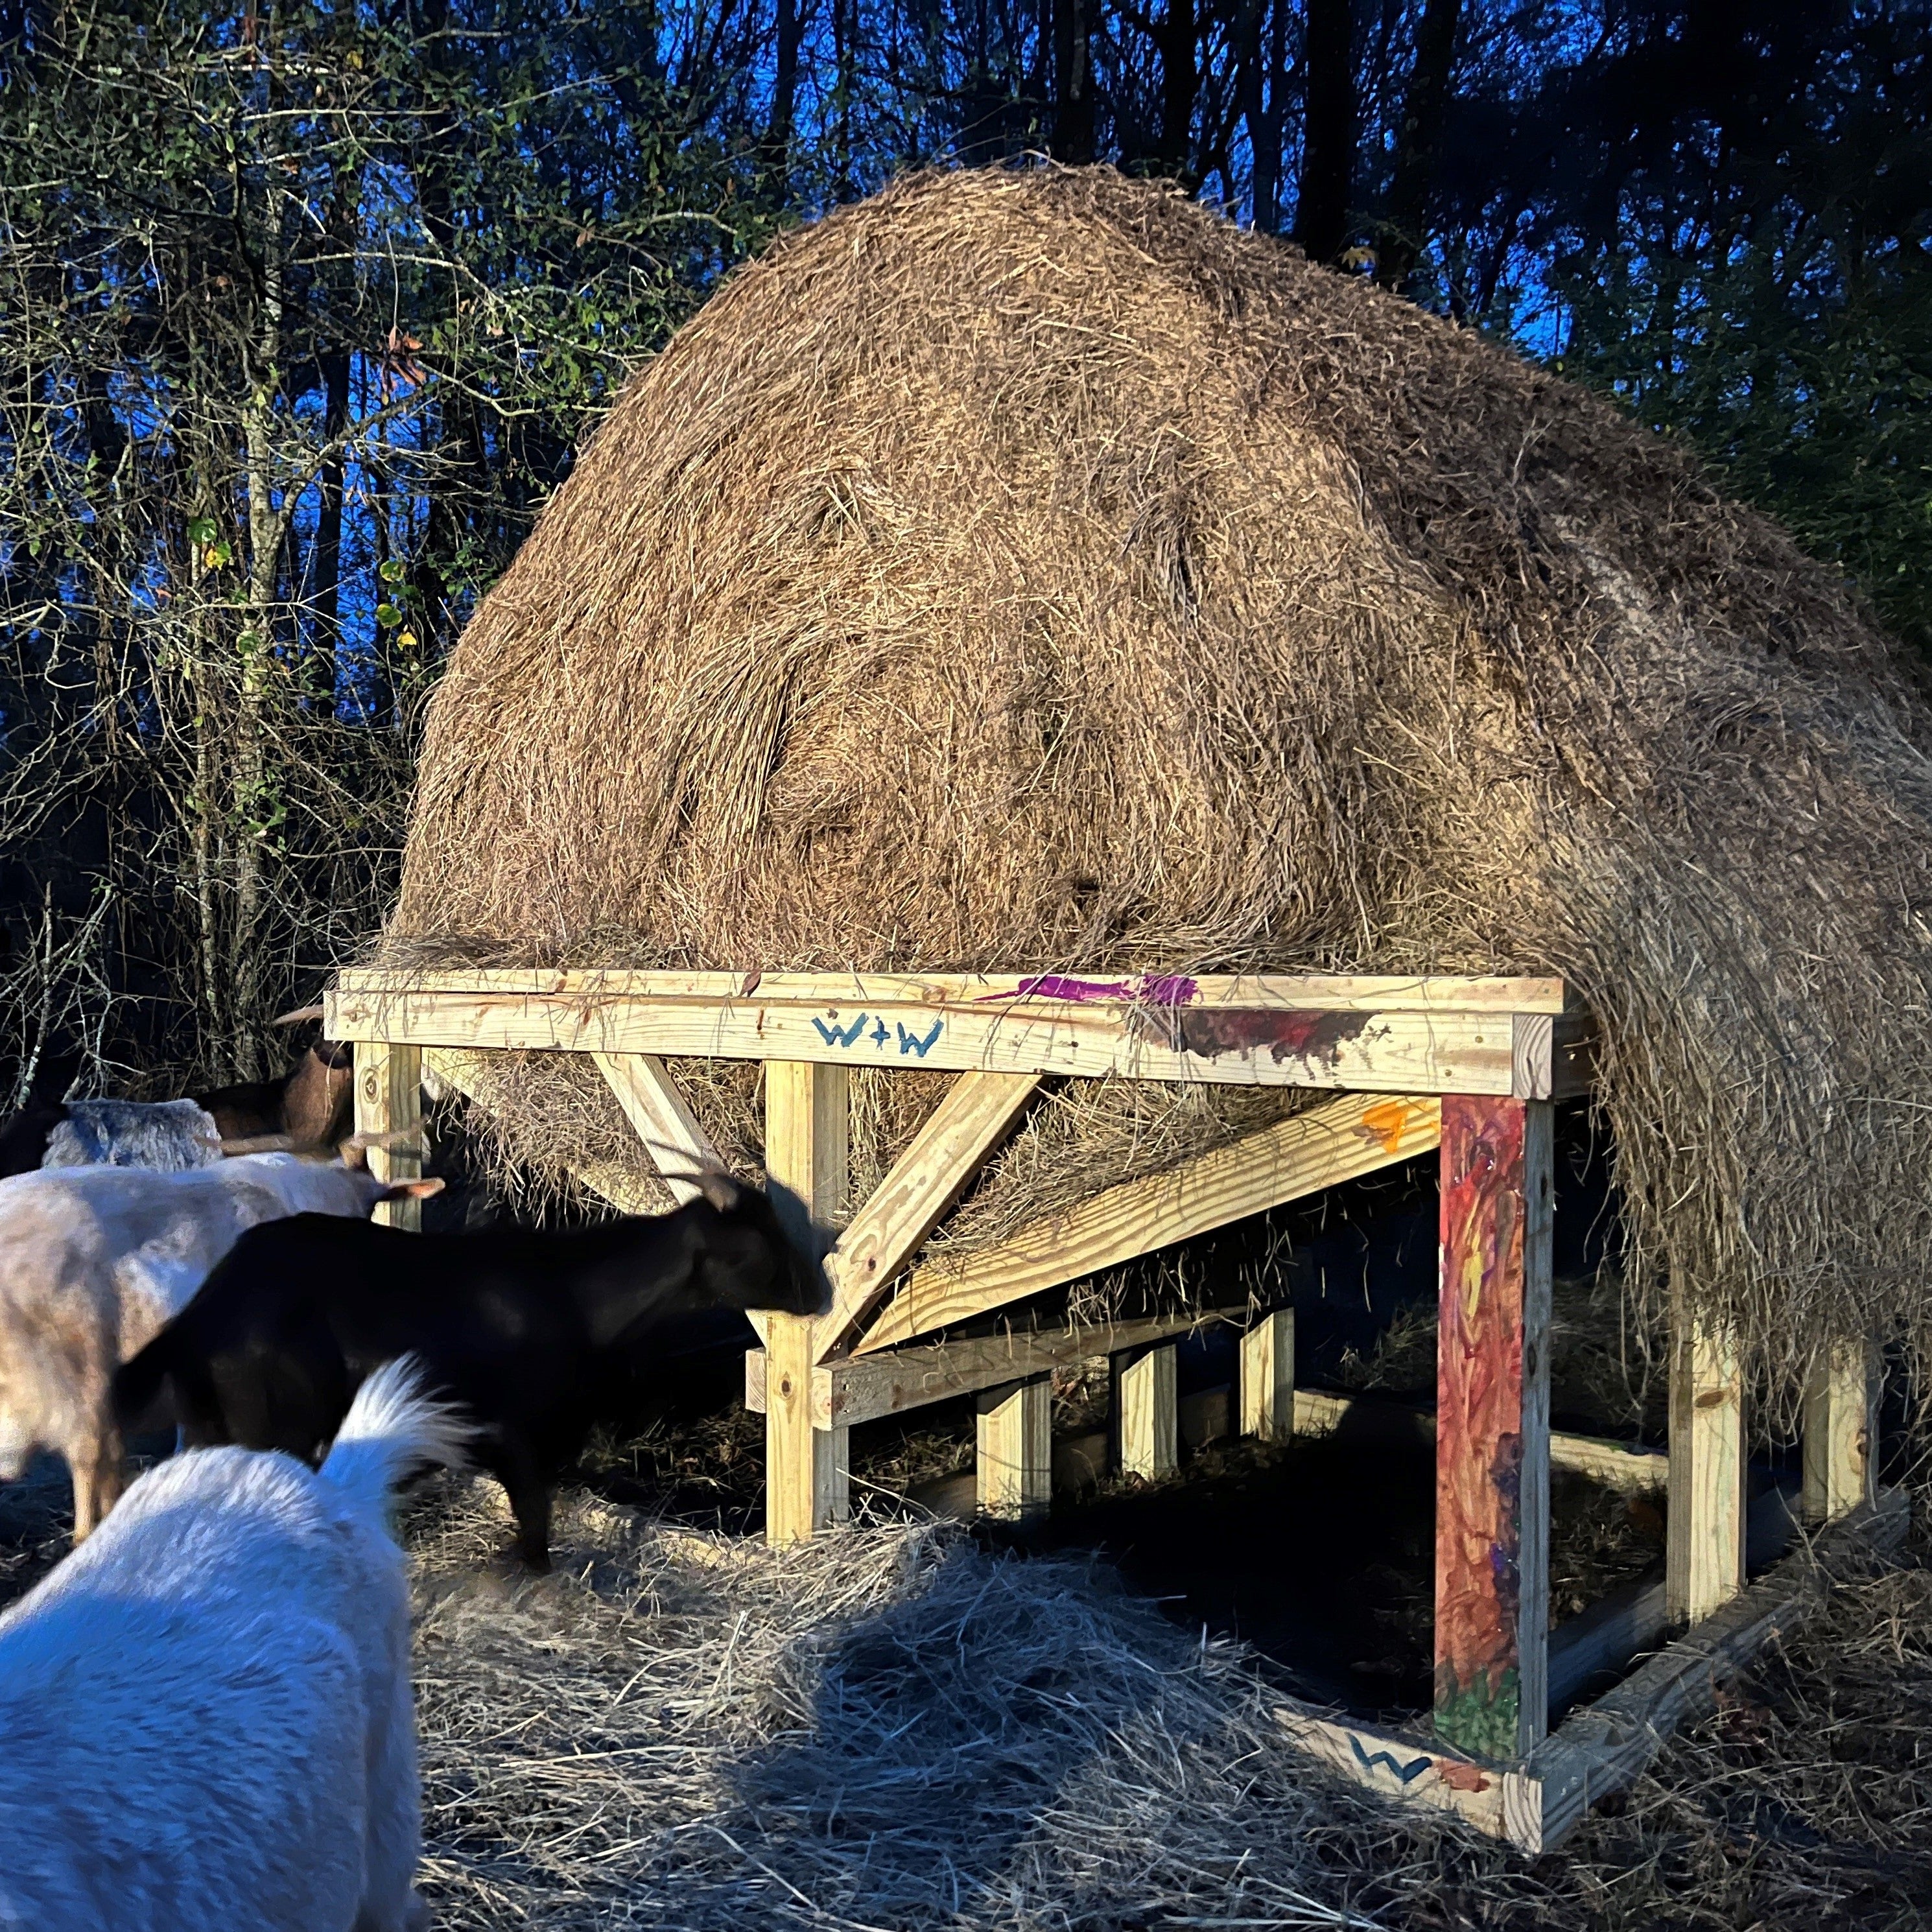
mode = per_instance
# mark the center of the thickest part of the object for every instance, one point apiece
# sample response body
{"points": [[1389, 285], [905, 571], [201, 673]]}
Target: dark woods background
{"points": [[302, 310]]}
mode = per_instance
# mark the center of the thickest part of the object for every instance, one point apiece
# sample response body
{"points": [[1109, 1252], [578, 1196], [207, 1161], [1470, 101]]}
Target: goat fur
{"points": [[169, 1136], [206, 1717], [94, 1260]]}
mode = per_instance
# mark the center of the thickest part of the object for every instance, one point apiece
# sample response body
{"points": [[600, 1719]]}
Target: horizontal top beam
{"points": [[1382, 993], [1368, 1049]]}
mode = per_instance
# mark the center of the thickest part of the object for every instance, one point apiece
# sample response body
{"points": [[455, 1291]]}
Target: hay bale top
{"points": [[1031, 569]]}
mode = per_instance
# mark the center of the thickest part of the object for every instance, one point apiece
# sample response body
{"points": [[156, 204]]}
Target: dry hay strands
{"points": [[885, 1728], [890, 1728], [1029, 568]]}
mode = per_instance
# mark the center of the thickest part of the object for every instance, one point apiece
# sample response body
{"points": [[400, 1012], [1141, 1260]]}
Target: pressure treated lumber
{"points": [[807, 1162], [861, 1388], [1493, 1425], [1311, 991], [665, 1124], [1605, 1637], [977, 1112], [1381, 1052], [388, 1101], [1146, 1414], [1334, 1140], [1013, 1448], [1841, 1432], [1705, 1548], [1320, 1411], [1267, 1377], [1602, 1748]]}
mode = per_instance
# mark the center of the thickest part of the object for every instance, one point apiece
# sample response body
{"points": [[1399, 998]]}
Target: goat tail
{"points": [[392, 1431]]}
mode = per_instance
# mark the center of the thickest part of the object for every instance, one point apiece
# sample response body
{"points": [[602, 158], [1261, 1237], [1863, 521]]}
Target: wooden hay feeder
{"points": [[1471, 1067]]}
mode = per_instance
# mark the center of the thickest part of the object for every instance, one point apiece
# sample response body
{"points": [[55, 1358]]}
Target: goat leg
{"points": [[514, 1466]]}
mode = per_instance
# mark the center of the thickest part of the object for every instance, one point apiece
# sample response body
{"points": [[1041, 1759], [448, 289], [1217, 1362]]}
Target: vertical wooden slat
{"points": [[1493, 1425], [1267, 1377], [1014, 1442], [389, 1100], [1145, 1403], [1704, 1551], [807, 1155], [1841, 1433]]}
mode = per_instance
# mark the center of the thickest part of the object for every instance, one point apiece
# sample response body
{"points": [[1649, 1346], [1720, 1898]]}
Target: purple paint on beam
{"points": [[1161, 989], [1168, 989]]}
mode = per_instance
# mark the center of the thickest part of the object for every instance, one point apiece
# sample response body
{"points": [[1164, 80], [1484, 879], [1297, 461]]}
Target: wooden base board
{"points": [[1536, 1804]]}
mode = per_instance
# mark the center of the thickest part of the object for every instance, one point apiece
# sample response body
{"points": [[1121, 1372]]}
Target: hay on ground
{"points": [[1029, 569], [888, 1728]]}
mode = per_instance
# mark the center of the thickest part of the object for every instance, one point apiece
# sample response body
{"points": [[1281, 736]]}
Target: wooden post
{"points": [[1267, 1377], [1147, 1412], [807, 1478], [1493, 1427], [1704, 1548], [1841, 1433], [1014, 1445], [389, 1100]]}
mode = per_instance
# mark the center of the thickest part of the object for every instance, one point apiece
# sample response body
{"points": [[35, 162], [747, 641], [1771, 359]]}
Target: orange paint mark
{"points": [[1386, 1121], [1460, 1776]]}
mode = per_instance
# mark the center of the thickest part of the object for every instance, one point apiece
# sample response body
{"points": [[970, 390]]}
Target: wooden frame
{"points": [[1706, 1535], [1400, 1065]]}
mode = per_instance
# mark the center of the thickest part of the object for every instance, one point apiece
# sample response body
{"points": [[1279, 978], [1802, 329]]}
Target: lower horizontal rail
{"points": [[862, 1388], [1604, 1747]]}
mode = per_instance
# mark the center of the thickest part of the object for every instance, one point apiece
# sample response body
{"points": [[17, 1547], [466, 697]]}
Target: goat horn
{"points": [[259, 1143]]}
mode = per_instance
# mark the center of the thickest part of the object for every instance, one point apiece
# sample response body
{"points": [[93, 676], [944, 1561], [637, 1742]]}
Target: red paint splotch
{"points": [[1211, 1031]]}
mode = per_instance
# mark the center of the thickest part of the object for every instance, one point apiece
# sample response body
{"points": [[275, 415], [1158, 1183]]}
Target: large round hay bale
{"points": [[1031, 569]]}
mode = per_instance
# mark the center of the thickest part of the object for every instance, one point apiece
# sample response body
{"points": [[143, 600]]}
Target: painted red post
{"points": [[1493, 1427]]}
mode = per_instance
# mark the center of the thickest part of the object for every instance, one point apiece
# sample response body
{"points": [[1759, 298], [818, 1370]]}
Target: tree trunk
{"points": [[784, 93], [1073, 79], [1329, 132], [326, 604], [1180, 82], [1419, 144], [1261, 110]]}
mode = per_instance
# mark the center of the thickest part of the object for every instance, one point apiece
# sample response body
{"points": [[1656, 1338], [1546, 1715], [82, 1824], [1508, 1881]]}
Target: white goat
{"points": [[205, 1719], [94, 1260]]}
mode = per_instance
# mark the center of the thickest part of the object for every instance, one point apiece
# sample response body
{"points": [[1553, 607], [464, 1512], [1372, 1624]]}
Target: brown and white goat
{"points": [[95, 1260]]}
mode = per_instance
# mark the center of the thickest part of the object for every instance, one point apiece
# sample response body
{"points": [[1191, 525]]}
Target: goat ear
{"points": [[724, 1191], [410, 1190]]}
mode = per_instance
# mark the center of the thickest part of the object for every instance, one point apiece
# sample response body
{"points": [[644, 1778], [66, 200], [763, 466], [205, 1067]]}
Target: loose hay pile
{"points": [[882, 1728], [888, 1729], [1031, 569]]}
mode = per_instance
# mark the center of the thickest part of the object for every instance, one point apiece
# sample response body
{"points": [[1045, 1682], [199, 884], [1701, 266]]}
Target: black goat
{"points": [[528, 1332]]}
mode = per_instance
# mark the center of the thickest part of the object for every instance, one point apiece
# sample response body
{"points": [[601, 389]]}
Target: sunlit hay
{"points": [[1030, 569]]}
